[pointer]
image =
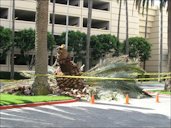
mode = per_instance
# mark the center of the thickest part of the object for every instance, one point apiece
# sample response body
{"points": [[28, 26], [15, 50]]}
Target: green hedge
{"points": [[17, 75]]}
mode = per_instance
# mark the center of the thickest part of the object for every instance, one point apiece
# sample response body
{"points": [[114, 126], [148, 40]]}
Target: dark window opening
{"points": [[61, 19], [73, 21], [25, 15], [4, 13], [19, 60], [23, 60], [99, 24], [2, 59], [54, 59], [71, 2], [101, 5]]}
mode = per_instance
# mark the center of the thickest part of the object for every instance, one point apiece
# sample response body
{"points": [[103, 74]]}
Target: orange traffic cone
{"points": [[157, 98], [92, 99], [127, 99]]}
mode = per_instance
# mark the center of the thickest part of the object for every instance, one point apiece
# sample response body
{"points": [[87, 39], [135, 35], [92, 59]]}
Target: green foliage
{"points": [[161, 91], [25, 40], [5, 38], [139, 47], [100, 45], [50, 41], [7, 99], [103, 44]]}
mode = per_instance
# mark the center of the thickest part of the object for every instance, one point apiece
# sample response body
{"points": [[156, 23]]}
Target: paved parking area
{"points": [[152, 86], [140, 113]]}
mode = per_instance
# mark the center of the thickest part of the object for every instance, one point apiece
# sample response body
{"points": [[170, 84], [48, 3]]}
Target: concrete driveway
{"points": [[139, 113], [152, 86]]}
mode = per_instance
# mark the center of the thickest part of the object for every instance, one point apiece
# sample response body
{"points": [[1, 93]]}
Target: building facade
{"points": [[104, 21]]}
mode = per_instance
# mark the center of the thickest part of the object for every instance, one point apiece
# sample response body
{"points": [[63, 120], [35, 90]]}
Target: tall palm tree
{"points": [[118, 29], [53, 23], [161, 39], [127, 28], [119, 17], [146, 26], [127, 25], [40, 85], [67, 22], [12, 40], [146, 20], [162, 2], [89, 20], [169, 38]]}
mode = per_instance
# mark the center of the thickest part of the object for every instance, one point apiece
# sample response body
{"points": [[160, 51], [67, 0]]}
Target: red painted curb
{"points": [[37, 104]]}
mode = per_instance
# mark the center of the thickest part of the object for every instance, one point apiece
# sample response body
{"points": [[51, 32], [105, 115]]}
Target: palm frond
{"points": [[116, 67]]}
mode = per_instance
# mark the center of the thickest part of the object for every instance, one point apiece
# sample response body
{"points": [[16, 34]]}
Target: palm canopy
{"points": [[145, 3], [116, 67]]}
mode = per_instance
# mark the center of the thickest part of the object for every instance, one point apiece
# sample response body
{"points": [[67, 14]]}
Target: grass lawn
{"points": [[7, 99], [161, 91]]}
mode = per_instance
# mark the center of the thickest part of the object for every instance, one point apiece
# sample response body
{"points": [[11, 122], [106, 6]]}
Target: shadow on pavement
{"points": [[81, 116], [126, 106]]}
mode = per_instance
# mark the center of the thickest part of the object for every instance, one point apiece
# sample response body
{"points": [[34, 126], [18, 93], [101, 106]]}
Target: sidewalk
{"points": [[152, 86]]}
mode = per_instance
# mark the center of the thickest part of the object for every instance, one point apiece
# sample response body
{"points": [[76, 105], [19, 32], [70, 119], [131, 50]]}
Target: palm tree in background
{"points": [[40, 85], [146, 20], [162, 3], [12, 40], [89, 20], [53, 23], [146, 26], [127, 28], [118, 29], [127, 25], [161, 37]]}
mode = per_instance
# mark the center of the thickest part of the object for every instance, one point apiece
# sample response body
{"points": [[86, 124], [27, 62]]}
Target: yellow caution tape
{"points": [[164, 73], [92, 77], [109, 78], [96, 78]]}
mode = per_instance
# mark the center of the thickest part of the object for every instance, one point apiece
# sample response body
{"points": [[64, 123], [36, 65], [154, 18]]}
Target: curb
{"points": [[37, 104]]}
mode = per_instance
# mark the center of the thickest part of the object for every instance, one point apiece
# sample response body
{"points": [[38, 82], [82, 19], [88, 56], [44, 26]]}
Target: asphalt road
{"points": [[139, 113]]}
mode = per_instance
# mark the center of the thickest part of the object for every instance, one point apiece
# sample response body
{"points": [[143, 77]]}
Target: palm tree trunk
{"points": [[168, 83], [67, 22], [161, 39], [146, 26], [119, 18], [53, 23], [118, 31], [89, 20], [146, 20], [40, 85], [127, 43], [12, 41], [169, 37]]}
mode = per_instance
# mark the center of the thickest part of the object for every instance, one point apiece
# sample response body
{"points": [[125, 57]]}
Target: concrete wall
{"points": [[136, 24], [153, 36]]}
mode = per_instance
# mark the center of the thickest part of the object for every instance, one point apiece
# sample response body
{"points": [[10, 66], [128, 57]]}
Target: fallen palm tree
{"points": [[122, 72], [117, 71]]}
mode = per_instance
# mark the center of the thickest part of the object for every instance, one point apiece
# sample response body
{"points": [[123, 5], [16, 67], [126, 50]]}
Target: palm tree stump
{"points": [[70, 86]]}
